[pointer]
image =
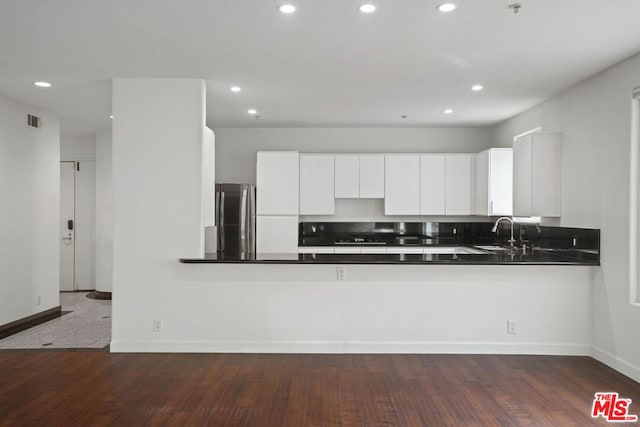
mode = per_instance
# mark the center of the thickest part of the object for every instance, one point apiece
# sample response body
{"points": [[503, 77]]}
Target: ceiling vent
{"points": [[34, 121]]}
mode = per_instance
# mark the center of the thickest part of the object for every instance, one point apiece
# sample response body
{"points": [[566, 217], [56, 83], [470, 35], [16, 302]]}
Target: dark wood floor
{"points": [[81, 388]]}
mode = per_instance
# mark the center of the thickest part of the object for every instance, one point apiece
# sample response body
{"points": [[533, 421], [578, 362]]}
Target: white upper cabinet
{"points": [[402, 184], [347, 176], [371, 176], [317, 189], [537, 160], [432, 184], [277, 177], [494, 182], [458, 184]]}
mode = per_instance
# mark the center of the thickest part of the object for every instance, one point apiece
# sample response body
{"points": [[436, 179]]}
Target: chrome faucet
{"points": [[511, 241]]}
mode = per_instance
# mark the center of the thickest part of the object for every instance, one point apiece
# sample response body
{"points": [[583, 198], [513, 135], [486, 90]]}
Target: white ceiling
{"points": [[325, 65]]}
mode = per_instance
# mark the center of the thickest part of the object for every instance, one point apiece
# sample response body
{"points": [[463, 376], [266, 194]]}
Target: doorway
{"points": [[77, 225]]}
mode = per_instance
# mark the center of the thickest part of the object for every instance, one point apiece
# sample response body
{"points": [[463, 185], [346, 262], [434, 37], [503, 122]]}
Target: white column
{"points": [[158, 134], [104, 212]]}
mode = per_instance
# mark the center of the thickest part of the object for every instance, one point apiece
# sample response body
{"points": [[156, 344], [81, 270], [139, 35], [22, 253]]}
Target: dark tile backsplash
{"points": [[424, 233]]}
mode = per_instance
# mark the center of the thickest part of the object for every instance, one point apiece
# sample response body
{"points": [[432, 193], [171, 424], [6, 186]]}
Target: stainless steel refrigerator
{"points": [[236, 219]]}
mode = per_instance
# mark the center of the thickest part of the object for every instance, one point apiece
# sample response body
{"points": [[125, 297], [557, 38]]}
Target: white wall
{"points": [[77, 147], [236, 148], [29, 212], [158, 132], [104, 212], [595, 119], [378, 309]]}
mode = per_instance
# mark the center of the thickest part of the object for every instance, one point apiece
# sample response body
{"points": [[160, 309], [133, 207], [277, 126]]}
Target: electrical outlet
{"points": [[512, 327], [38, 300], [157, 325], [342, 273]]}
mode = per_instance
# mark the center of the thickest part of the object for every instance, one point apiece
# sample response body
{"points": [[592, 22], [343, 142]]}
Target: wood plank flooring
{"points": [[84, 388]]}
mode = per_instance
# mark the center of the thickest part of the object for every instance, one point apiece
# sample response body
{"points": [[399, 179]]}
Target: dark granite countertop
{"points": [[517, 257]]}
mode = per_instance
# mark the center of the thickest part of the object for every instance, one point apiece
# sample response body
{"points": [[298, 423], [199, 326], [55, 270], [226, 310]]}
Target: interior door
{"points": [[85, 234], [67, 226]]}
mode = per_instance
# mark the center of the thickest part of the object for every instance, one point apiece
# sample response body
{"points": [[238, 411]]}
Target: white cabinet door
{"points": [[501, 181], [458, 184], [277, 179], [432, 184], [277, 234], [347, 176], [493, 182], [481, 184], [522, 176], [371, 176], [537, 165], [317, 193], [402, 185]]}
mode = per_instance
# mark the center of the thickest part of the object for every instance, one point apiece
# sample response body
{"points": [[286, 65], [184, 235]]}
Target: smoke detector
{"points": [[515, 7]]}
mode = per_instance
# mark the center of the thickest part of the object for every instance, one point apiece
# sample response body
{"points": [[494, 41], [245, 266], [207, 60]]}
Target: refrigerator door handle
{"points": [[221, 240], [243, 220], [216, 206]]}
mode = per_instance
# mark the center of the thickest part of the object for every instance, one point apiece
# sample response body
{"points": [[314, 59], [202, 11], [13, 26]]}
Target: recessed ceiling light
{"points": [[111, 116], [252, 111], [446, 7], [367, 8], [448, 111], [287, 8], [477, 88], [235, 89], [42, 84]]}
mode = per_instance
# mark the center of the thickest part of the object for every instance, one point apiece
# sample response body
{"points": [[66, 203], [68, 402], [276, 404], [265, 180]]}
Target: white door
{"points": [[77, 225], [67, 225], [85, 236]]}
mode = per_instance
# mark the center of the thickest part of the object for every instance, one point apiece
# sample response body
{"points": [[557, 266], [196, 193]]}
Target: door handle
{"points": [[70, 224]]}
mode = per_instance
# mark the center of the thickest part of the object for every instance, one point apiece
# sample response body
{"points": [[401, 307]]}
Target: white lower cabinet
{"points": [[277, 234]]}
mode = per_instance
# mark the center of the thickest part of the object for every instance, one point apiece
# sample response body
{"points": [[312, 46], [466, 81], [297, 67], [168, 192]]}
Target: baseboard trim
{"points": [[29, 321], [564, 349], [615, 362]]}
